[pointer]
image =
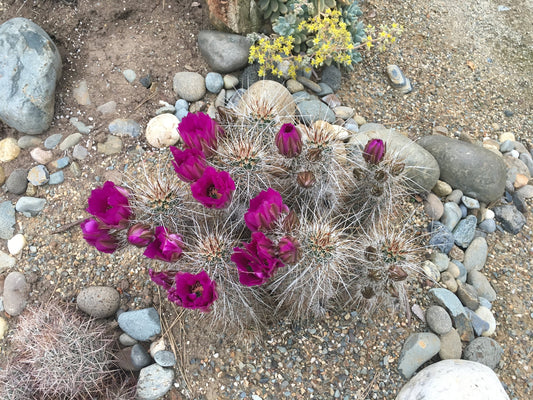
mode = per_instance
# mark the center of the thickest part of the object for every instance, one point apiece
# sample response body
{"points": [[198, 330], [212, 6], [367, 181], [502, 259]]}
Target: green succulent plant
{"points": [[272, 9], [288, 26]]}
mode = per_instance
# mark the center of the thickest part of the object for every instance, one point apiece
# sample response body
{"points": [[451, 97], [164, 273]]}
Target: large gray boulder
{"points": [[30, 66], [477, 172], [421, 169], [224, 52]]}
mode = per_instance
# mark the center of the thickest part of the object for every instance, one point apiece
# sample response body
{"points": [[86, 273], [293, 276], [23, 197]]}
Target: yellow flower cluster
{"points": [[331, 42], [384, 38]]}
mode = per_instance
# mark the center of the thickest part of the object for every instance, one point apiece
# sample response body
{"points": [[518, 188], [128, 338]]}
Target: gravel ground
{"points": [[470, 66]]}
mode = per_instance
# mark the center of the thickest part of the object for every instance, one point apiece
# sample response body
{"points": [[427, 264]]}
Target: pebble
{"points": [[476, 254], [80, 126], [214, 82], [107, 108], [464, 210], [38, 175], [441, 237], [331, 75], [181, 113], [520, 181], [451, 215], [9, 149], [154, 382], [453, 305], [506, 136], [56, 178], [482, 285], [464, 231], [16, 244], [6, 262], [455, 196], [478, 323], [41, 156], [520, 166], [468, 296], [28, 141], [146, 81], [470, 203], [488, 225], [433, 207], [162, 132], [16, 292], [158, 345], [454, 269], [112, 145], [442, 189], [81, 94], [140, 324], [417, 349], [126, 340], [294, 86], [484, 350], [438, 320], [99, 301], [359, 119], [441, 260], [70, 141], [4, 326], [60, 163], [139, 357], [456, 254], [486, 315], [510, 218], [431, 271], [309, 84], [325, 90], [166, 109], [7, 220], [462, 270], [450, 345], [398, 79], [30, 205], [17, 181], [448, 281], [351, 125], [310, 111], [506, 146], [189, 85], [454, 379], [343, 112], [230, 82], [75, 169], [182, 104], [165, 358], [130, 75], [526, 192], [124, 127], [528, 161]]}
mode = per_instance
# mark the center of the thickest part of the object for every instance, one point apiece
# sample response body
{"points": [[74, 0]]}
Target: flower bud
{"points": [[374, 151], [306, 179], [289, 250], [397, 273], [140, 235], [291, 222], [397, 169], [289, 141]]}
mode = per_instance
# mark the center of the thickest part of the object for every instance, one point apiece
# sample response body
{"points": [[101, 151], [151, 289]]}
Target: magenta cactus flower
{"points": [[214, 189], [256, 262], [165, 247], [164, 279], [264, 211], [289, 250], [109, 204], [98, 236], [289, 141], [140, 235], [199, 131], [196, 292], [189, 164], [374, 151]]}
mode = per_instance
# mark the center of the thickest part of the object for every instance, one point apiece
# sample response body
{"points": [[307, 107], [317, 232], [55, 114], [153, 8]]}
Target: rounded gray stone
{"points": [[487, 225], [468, 295], [452, 304], [441, 260], [182, 104], [451, 215], [154, 382], [510, 218], [214, 82], [450, 346], [464, 231], [7, 220], [476, 254], [441, 237], [482, 285], [29, 71], [417, 349], [124, 127], [455, 196], [310, 111], [26, 142], [454, 379], [476, 171], [99, 301], [126, 340], [140, 324], [70, 141], [224, 52], [189, 86], [56, 178], [438, 320], [331, 75], [52, 141], [484, 350], [16, 292], [433, 207], [140, 358], [130, 75], [470, 203], [17, 181], [165, 358], [30, 205]]}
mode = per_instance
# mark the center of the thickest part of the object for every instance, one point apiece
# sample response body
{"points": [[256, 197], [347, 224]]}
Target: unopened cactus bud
{"points": [[381, 175], [371, 253], [289, 141], [397, 273], [397, 169], [306, 179], [374, 151]]}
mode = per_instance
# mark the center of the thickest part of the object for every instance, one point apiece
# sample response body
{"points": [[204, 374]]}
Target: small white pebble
{"points": [[16, 244]]}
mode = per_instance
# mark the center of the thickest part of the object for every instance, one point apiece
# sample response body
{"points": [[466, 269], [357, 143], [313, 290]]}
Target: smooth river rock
{"points": [[29, 70], [421, 168], [454, 379], [477, 172], [224, 52]]}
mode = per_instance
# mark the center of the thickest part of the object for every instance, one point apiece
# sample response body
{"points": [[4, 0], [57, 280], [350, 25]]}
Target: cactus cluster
{"points": [[272, 217]]}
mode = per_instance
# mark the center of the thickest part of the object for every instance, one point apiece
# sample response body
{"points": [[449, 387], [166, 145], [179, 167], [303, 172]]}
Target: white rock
{"points": [[162, 131], [454, 379], [486, 315], [16, 244], [156, 346], [489, 214]]}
